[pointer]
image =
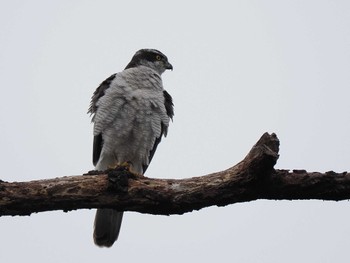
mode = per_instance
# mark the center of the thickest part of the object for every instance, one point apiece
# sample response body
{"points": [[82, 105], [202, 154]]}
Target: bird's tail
{"points": [[107, 226]]}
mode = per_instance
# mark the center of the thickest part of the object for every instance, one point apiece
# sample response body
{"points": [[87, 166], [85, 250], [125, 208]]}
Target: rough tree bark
{"points": [[251, 179]]}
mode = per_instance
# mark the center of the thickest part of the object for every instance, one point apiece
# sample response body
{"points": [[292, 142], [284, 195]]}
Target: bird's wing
{"points": [[99, 92], [169, 107]]}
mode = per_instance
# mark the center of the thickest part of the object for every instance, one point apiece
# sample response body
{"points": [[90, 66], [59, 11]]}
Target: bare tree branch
{"points": [[251, 179]]}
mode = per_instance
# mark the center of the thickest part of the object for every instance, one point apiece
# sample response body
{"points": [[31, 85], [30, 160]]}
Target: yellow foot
{"points": [[124, 165]]}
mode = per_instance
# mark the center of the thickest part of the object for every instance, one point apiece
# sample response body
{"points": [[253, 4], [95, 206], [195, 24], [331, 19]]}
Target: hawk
{"points": [[131, 112]]}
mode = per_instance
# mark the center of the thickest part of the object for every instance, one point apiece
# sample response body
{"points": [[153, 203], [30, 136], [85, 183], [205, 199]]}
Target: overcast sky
{"points": [[241, 68]]}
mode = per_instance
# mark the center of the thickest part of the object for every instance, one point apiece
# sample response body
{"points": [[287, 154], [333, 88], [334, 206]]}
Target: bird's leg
{"points": [[118, 176]]}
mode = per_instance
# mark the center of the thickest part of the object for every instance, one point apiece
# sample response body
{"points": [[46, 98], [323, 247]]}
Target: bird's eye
{"points": [[158, 57]]}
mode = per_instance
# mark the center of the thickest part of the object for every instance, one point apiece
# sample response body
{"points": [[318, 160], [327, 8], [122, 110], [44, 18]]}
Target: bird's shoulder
{"points": [[138, 78], [99, 92]]}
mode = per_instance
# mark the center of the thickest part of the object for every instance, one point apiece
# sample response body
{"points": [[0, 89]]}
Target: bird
{"points": [[131, 113]]}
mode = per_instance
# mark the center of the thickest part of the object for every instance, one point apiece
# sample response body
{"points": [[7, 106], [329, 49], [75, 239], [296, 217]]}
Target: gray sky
{"points": [[240, 68]]}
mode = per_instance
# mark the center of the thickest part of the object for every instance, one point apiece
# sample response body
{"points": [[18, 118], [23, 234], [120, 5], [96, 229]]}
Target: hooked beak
{"points": [[168, 66]]}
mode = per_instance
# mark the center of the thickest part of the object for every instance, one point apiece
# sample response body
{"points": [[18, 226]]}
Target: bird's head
{"points": [[150, 58]]}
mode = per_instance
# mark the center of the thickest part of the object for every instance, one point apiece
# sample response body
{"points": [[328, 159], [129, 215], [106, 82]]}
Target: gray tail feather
{"points": [[107, 226]]}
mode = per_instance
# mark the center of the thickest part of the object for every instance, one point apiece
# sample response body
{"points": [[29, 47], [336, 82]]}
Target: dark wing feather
{"points": [[151, 153], [98, 141], [169, 107], [97, 148]]}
